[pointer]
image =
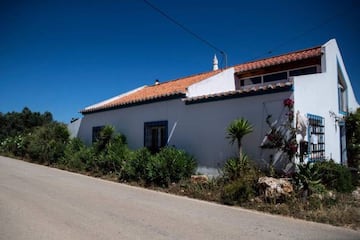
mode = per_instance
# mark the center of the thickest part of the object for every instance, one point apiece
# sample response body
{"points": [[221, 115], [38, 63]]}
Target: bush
{"points": [[308, 178], [352, 124], [112, 157], [47, 143], [170, 165], [234, 169], [335, 176], [135, 167], [238, 191], [76, 155], [241, 180], [15, 146]]}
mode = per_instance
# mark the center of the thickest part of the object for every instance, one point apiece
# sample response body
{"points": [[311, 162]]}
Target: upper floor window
{"points": [[303, 71], [155, 135], [277, 76], [250, 81]]}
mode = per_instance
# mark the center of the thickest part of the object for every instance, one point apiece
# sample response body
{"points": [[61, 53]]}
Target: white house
{"points": [[192, 113]]}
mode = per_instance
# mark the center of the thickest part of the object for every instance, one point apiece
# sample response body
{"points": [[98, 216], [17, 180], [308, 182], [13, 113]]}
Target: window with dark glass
{"points": [[96, 133], [250, 81], [316, 134], [275, 77], [303, 71], [155, 135]]}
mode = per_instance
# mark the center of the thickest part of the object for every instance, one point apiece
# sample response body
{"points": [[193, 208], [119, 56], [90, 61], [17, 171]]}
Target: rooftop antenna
{"points": [[223, 54]]}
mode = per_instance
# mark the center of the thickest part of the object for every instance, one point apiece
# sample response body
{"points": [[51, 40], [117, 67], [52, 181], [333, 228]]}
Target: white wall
{"points": [[73, 128], [221, 82], [318, 94], [200, 129], [333, 51]]}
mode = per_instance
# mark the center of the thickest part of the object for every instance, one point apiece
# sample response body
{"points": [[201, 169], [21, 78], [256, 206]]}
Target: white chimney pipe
{"points": [[215, 63]]}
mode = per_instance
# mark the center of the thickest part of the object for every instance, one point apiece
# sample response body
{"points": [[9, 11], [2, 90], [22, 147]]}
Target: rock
{"points": [[274, 188], [331, 195], [199, 179], [356, 193]]}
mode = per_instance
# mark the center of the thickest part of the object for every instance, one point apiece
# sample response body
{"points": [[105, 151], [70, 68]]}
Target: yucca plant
{"points": [[237, 130]]}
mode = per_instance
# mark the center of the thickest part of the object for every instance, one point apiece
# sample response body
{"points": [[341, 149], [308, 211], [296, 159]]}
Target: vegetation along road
{"points": [[38, 202]]}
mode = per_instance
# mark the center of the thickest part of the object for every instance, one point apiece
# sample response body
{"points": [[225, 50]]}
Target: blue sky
{"points": [[61, 56]]}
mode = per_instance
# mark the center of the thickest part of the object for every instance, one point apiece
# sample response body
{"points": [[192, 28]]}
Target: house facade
{"points": [[193, 113]]}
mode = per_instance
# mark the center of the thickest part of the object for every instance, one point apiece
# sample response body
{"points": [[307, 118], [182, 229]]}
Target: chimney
{"points": [[215, 63], [157, 82]]}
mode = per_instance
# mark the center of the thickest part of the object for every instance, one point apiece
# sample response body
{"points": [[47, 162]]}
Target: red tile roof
{"points": [[148, 93], [281, 59], [177, 87]]}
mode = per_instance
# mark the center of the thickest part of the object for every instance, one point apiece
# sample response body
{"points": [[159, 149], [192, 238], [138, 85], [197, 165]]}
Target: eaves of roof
{"points": [[136, 102], [246, 92]]}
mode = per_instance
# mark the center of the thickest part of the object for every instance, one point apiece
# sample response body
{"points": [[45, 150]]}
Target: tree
{"points": [[13, 124], [237, 130], [352, 123]]}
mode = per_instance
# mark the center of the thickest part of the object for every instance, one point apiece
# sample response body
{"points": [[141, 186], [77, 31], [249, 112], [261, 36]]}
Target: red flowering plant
{"points": [[289, 103], [282, 136]]}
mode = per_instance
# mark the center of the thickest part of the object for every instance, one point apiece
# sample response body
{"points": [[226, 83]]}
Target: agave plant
{"points": [[308, 177], [235, 168]]}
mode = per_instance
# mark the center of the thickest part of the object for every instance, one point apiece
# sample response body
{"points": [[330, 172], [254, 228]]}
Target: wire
{"points": [[223, 54], [295, 37]]}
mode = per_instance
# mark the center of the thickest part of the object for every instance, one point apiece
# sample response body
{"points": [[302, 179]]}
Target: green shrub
{"points": [[240, 190], [76, 155], [170, 165], [240, 179], [107, 155], [335, 176], [231, 169], [47, 143], [308, 178], [21, 123], [114, 154], [158, 172], [352, 124], [135, 168], [234, 169]]}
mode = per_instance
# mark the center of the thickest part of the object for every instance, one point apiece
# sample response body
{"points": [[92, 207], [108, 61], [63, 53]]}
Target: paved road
{"points": [[38, 202]]}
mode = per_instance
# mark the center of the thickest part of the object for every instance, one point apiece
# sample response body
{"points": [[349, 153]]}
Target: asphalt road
{"points": [[38, 202]]}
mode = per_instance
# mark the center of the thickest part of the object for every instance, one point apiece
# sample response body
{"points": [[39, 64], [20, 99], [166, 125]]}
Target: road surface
{"points": [[37, 202]]}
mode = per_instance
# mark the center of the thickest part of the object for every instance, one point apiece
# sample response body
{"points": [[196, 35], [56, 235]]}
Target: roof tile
{"points": [[285, 58], [179, 86], [166, 89]]}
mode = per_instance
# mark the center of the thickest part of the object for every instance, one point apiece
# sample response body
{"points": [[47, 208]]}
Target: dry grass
{"points": [[344, 211]]}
